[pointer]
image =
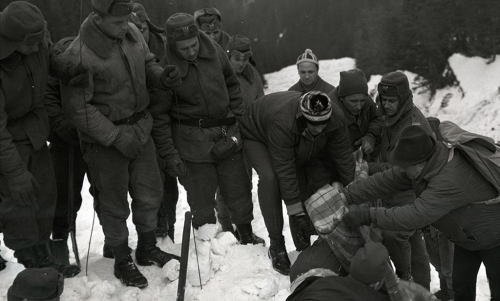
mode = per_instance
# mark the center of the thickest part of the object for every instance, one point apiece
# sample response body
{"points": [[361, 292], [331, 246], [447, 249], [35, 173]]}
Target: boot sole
{"points": [[130, 284]]}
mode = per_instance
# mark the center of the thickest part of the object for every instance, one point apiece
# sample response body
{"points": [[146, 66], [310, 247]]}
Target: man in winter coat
{"points": [[209, 20], [155, 38], [406, 248], [450, 195], [27, 182], [114, 128], [239, 52], [359, 110], [282, 133], [308, 67], [195, 130]]}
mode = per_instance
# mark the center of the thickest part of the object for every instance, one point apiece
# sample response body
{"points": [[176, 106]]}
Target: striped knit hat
{"points": [[316, 107], [307, 56]]}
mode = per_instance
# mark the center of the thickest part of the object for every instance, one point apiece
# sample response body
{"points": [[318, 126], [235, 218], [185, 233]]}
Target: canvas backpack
{"points": [[480, 150]]}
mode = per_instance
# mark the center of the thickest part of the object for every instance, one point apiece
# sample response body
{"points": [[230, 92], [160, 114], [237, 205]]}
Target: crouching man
{"points": [[114, 128], [451, 195]]}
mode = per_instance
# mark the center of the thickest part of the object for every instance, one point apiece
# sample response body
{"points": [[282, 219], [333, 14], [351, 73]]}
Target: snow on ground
{"points": [[230, 271]]}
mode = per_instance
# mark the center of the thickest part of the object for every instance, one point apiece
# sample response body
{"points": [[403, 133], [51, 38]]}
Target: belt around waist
{"points": [[204, 123], [131, 119]]}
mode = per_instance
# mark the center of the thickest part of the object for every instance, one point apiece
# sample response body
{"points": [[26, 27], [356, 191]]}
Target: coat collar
{"points": [[96, 40], [208, 49]]}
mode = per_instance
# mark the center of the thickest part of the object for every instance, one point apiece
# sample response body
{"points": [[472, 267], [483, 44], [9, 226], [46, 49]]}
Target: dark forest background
{"points": [[382, 36]]}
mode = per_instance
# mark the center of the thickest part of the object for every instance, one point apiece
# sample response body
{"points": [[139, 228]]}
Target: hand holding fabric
{"points": [[171, 77], [367, 144], [128, 145], [22, 187], [357, 217], [175, 167]]}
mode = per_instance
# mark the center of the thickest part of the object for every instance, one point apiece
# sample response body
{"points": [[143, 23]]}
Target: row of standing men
{"points": [[198, 114]]}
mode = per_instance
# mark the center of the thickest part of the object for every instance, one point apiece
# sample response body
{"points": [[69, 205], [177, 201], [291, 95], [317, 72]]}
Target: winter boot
{"points": [[279, 256], [3, 263], [247, 236], [26, 257], [162, 228], [45, 261], [125, 269], [148, 253], [107, 251], [59, 250]]}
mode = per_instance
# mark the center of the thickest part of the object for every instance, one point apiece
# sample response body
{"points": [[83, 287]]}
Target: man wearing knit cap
{"points": [[308, 67], [209, 20], [398, 112], [239, 52], [451, 195], [282, 133], [199, 138], [27, 182], [114, 128], [359, 109]]}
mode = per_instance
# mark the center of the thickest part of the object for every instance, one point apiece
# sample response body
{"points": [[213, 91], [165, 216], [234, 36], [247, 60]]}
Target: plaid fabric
{"points": [[326, 208]]}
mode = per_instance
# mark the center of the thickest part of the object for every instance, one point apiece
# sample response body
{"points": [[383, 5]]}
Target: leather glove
{"points": [[175, 167], [22, 187], [357, 217], [301, 228], [128, 145], [367, 144], [171, 77]]}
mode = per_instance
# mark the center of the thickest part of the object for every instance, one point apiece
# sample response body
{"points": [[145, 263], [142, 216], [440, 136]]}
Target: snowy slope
{"points": [[233, 272]]}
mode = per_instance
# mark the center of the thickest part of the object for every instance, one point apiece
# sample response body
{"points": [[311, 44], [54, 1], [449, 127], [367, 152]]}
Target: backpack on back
{"points": [[480, 150]]}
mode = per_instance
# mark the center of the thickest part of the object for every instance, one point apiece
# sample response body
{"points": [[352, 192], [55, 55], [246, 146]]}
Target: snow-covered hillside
{"points": [[233, 272]]}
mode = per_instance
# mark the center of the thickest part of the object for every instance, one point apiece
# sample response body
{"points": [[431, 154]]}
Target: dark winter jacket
{"points": [[250, 85], [156, 44], [23, 120], [392, 127], [446, 193], [366, 123], [118, 87], [335, 288], [276, 120], [320, 85], [210, 90], [62, 132]]}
